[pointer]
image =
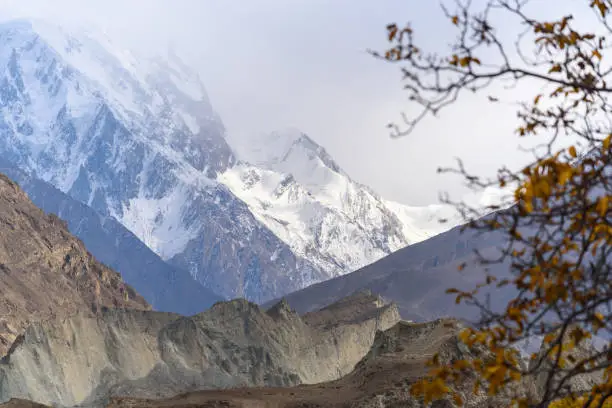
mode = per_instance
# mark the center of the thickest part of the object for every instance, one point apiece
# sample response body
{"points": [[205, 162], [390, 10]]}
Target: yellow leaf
{"points": [[455, 20], [476, 387], [602, 205], [461, 365], [596, 54], [458, 400], [565, 175], [572, 151], [606, 142], [555, 68], [537, 99], [452, 290], [549, 338], [598, 322], [464, 335]]}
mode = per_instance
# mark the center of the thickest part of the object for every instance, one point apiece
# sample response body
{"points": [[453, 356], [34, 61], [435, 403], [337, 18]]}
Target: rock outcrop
{"points": [[144, 354], [45, 272], [382, 378]]}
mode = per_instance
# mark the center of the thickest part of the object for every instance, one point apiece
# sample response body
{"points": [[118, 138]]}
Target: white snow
{"points": [[158, 222], [190, 88], [190, 121], [76, 69], [295, 190]]}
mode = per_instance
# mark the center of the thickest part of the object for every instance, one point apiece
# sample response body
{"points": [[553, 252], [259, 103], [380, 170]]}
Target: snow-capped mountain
{"points": [[138, 140], [297, 190]]}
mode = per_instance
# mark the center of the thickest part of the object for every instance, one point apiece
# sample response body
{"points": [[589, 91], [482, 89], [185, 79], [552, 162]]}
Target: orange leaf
{"points": [[597, 54], [606, 142], [602, 205]]}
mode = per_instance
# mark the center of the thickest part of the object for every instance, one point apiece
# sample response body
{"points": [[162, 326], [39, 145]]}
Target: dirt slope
{"points": [[381, 379], [45, 272]]}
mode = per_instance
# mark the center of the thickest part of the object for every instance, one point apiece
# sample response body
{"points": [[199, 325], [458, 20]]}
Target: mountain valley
{"points": [[149, 259]]}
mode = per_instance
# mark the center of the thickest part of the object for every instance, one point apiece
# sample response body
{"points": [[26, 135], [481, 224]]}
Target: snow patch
{"points": [[190, 121], [158, 222]]}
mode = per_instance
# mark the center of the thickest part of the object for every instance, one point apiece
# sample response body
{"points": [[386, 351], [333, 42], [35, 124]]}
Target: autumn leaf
{"points": [[392, 31], [606, 142], [602, 205], [596, 54]]}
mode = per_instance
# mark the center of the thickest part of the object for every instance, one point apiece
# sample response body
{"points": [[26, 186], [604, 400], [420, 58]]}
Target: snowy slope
{"points": [[67, 99], [297, 190], [137, 140]]}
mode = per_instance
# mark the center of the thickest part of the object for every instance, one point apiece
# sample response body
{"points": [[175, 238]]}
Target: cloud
{"points": [[270, 64]]}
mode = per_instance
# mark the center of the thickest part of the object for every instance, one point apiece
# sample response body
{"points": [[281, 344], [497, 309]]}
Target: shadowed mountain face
{"points": [[84, 360], [45, 271], [417, 277], [163, 286]]}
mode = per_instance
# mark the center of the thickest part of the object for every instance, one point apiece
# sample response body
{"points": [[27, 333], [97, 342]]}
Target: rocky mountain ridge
{"points": [[394, 360], [115, 246], [46, 272], [84, 360], [382, 378]]}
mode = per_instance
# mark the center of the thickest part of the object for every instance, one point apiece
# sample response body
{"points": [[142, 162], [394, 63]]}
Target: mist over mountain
{"points": [[138, 140]]}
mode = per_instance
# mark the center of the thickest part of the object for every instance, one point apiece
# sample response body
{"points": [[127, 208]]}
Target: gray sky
{"points": [[270, 64]]}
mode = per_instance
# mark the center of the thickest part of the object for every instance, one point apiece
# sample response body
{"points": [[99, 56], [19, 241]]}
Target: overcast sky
{"points": [[270, 64]]}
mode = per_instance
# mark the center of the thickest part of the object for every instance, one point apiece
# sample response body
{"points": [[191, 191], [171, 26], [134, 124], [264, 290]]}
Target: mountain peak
{"points": [[281, 149], [120, 72]]}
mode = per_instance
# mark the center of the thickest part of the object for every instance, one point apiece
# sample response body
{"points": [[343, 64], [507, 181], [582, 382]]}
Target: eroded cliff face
{"points": [[382, 378], [87, 359], [45, 272]]}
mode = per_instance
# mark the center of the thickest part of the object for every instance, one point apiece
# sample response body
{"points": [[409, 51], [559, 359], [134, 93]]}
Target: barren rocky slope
{"points": [[381, 379], [164, 287], [45, 271], [20, 403], [129, 353]]}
